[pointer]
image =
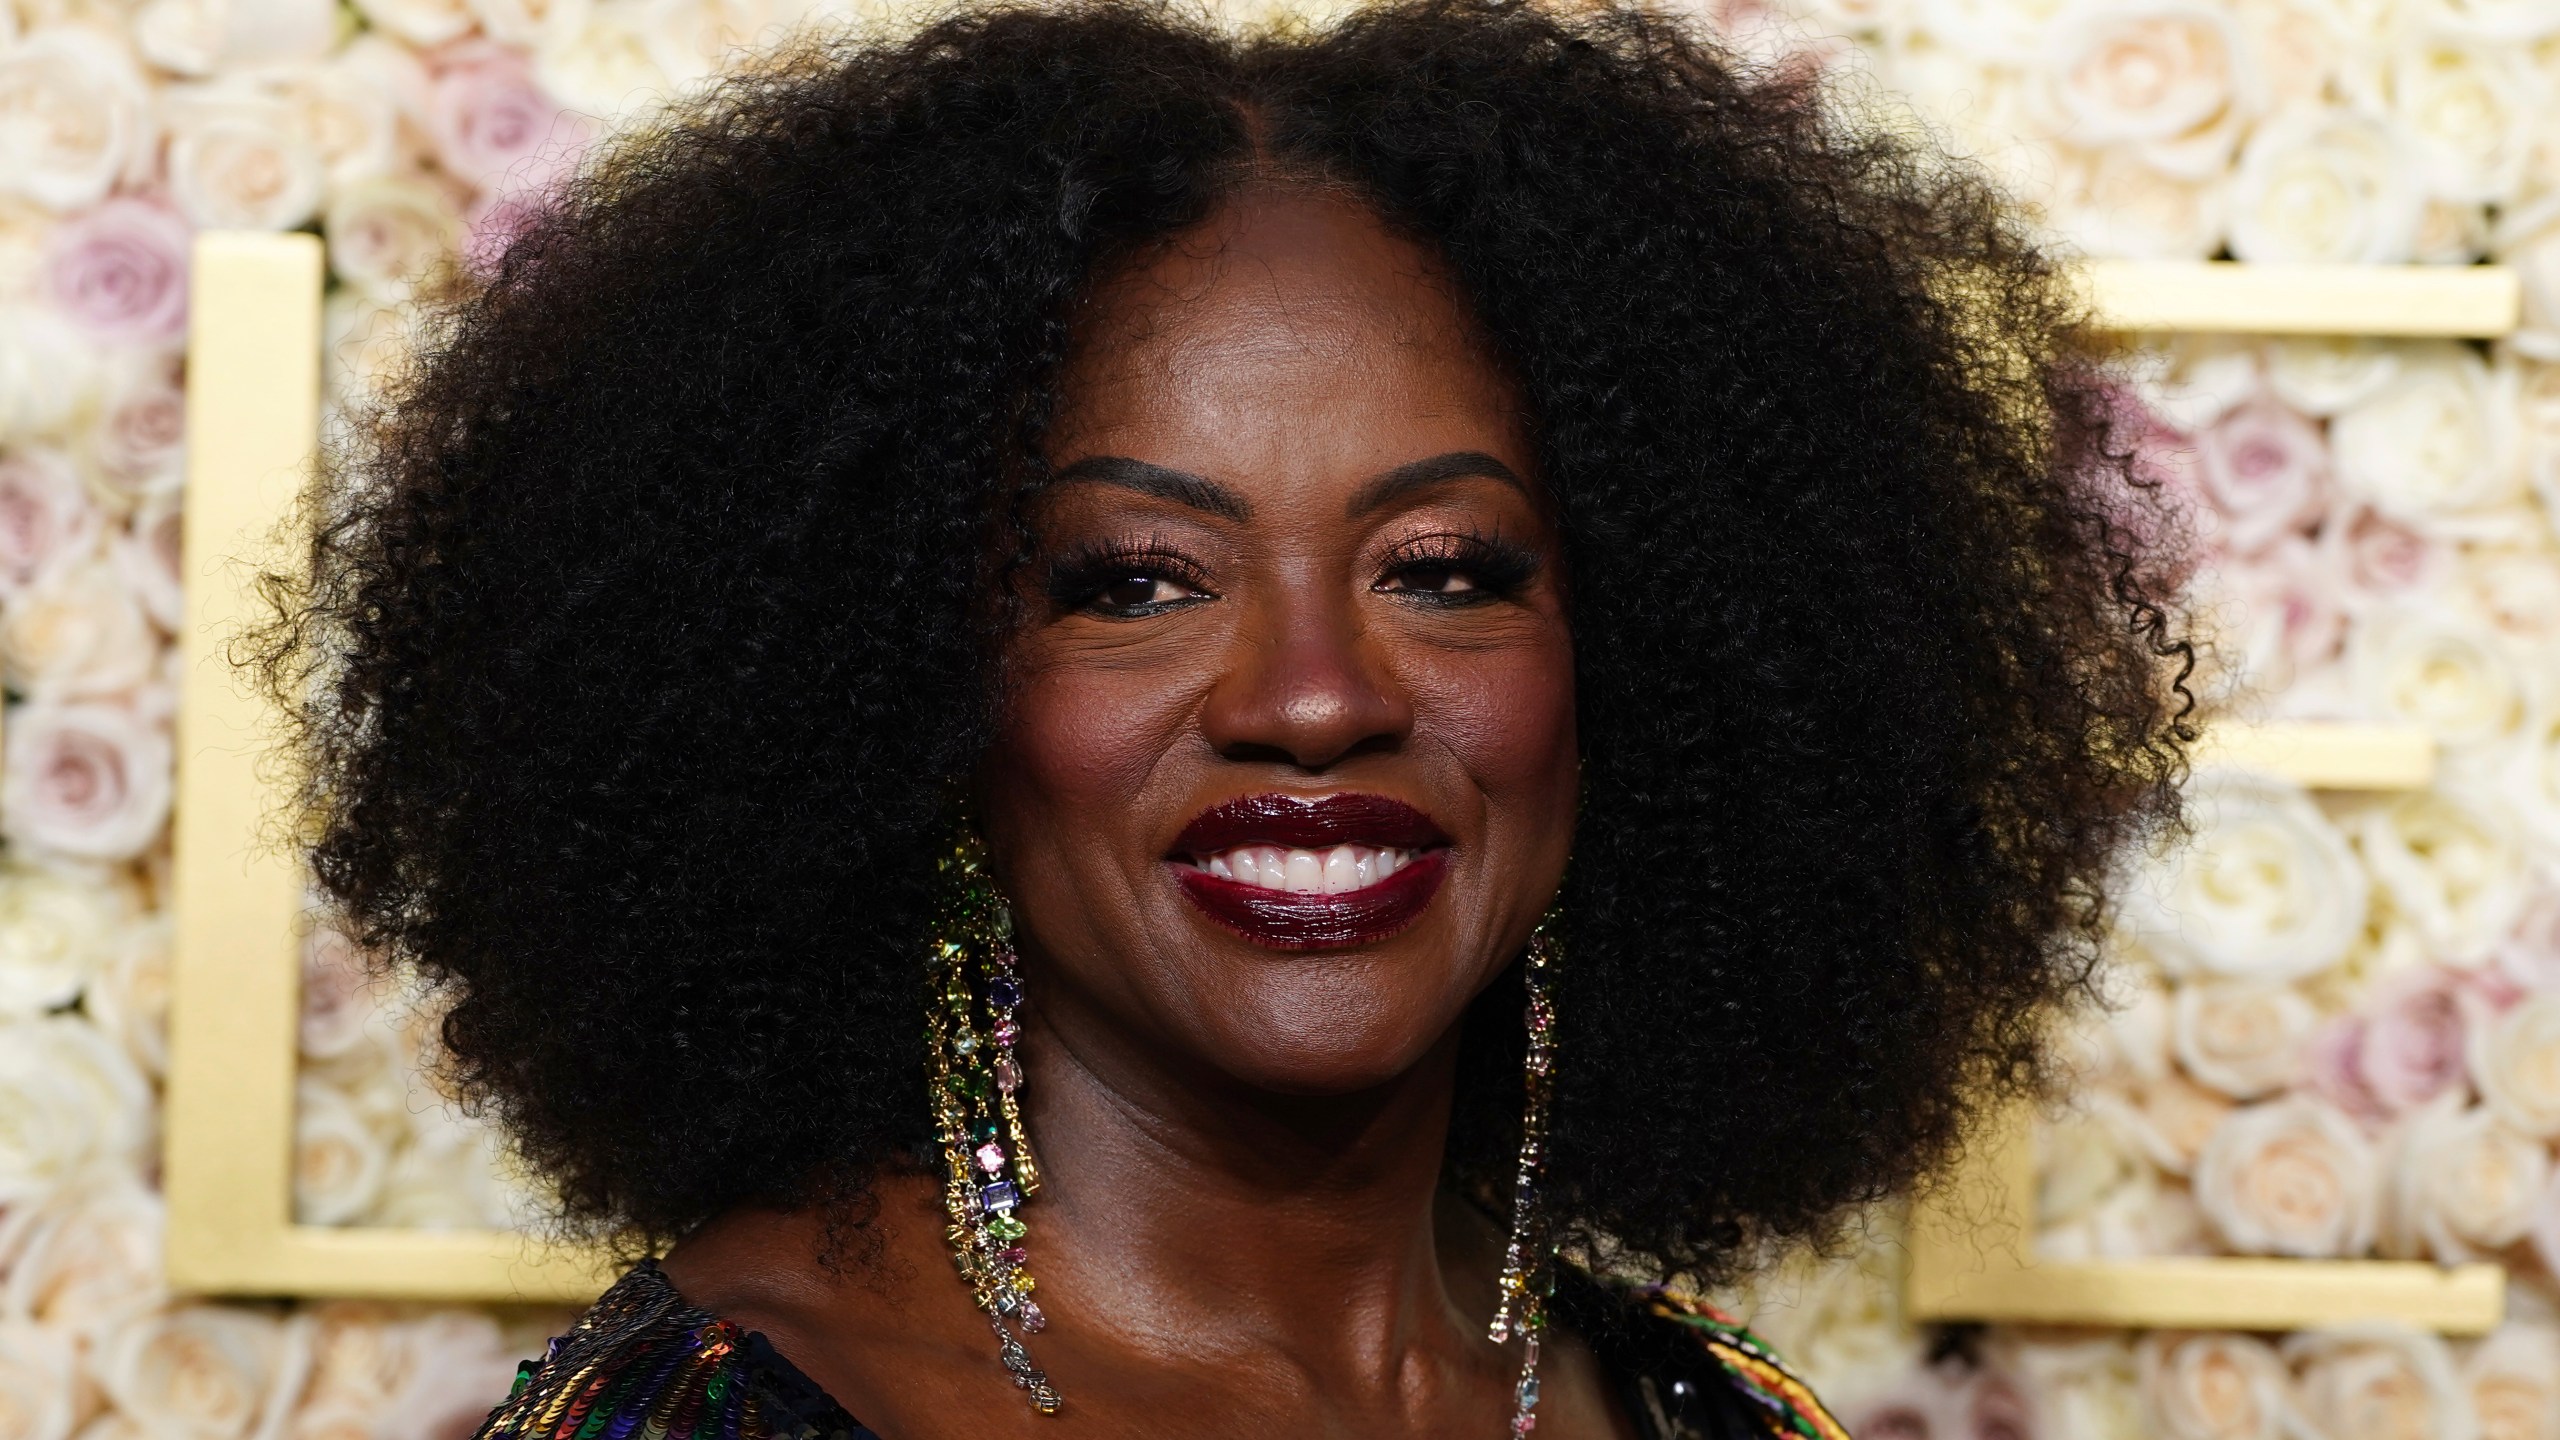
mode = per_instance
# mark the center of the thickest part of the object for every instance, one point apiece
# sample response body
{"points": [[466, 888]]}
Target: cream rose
{"points": [[238, 160], [2374, 558], [2266, 470], [337, 997], [70, 1102], [2324, 374], [2453, 864], [2291, 617], [48, 367], [338, 1162], [2527, 240], [84, 1258], [134, 441], [2377, 1381], [2438, 439], [530, 24], [2289, 1177], [2242, 1037], [202, 1372], [2467, 106], [608, 67], [2463, 1185], [2113, 203], [75, 117], [387, 233], [2326, 186], [2515, 1060], [2266, 889], [200, 37], [147, 556], [2439, 670], [456, 1361], [420, 22], [2168, 1119], [79, 632], [2119, 71], [84, 779], [55, 931], [120, 271], [129, 996], [2212, 1387], [46, 518], [38, 1370], [2189, 383], [2514, 1377]]}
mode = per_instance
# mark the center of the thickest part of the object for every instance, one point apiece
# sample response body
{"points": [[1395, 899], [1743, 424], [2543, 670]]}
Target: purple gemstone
{"points": [[1005, 993], [991, 1157], [1012, 1255], [1000, 1197], [1008, 1075], [1032, 1319]]}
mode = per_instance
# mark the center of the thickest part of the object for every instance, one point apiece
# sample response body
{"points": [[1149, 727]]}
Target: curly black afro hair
{"points": [[643, 631]]}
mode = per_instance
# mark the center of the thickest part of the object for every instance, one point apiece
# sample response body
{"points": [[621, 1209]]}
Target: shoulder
{"points": [[1688, 1370], [643, 1360]]}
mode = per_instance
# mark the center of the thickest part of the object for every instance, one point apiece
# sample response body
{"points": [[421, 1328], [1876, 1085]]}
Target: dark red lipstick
{"points": [[1301, 919]]}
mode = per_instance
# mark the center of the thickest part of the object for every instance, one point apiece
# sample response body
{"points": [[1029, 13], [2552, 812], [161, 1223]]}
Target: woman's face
{"points": [[1286, 772]]}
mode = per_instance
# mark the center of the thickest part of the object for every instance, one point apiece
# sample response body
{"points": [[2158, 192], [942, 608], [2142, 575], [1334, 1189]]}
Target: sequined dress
{"points": [[644, 1365]]}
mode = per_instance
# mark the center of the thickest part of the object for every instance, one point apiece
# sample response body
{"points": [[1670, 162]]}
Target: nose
{"points": [[1305, 687]]}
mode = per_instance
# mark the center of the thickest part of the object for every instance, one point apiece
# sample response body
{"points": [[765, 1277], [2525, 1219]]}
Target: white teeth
{"points": [[1332, 871]]}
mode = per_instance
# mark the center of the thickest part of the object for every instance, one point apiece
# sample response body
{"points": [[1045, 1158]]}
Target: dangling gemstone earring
{"points": [[1528, 1266], [988, 1169]]}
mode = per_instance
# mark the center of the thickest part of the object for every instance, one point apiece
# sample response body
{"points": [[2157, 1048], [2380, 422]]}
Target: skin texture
{"points": [[1243, 1144]]}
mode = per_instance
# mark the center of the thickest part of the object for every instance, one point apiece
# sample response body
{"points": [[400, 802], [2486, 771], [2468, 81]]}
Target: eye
{"points": [[1458, 569], [1433, 577], [1137, 592]]}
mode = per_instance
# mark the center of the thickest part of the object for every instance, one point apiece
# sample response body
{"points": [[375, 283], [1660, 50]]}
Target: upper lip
{"points": [[1308, 822]]}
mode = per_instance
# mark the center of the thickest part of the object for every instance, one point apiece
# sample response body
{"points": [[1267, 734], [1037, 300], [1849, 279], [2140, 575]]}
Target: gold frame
{"points": [[253, 397]]}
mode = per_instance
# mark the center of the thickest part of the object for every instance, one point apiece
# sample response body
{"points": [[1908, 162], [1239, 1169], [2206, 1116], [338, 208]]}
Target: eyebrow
{"points": [[1179, 486], [1208, 496]]}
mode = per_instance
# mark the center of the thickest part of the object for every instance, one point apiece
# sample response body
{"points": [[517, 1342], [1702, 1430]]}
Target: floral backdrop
{"points": [[2338, 1028]]}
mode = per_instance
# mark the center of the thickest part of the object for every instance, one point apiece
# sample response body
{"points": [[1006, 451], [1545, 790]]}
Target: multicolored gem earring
{"points": [[988, 1167], [1528, 1264]]}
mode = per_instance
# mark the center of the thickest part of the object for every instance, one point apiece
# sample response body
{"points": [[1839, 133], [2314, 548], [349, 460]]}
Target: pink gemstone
{"points": [[1524, 1424], [991, 1157], [1032, 1320], [1012, 1255], [1007, 1032], [1008, 1075]]}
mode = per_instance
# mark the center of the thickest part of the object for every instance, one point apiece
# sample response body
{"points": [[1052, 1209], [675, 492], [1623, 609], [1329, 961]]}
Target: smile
{"points": [[1299, 872]]}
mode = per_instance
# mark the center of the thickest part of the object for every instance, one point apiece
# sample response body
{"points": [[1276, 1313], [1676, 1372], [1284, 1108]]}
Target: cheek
{"points": [[1507, 716], [1077, 742]]}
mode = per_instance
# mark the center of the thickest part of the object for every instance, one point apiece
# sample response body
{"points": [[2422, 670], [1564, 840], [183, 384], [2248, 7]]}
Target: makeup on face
{"points": [[1301, 872]]}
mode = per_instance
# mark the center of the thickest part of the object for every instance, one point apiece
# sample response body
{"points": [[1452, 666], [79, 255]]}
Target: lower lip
{"points": [[1286, 920]]}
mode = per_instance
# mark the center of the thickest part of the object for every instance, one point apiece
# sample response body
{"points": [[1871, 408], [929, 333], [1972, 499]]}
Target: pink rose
{"points": [[490, 121], [2295, 623], [494, 225], [85, 779], [45, 517], [137, 439], [2266, 469], [2414, 1038], [2377, 558], [121, 270]]}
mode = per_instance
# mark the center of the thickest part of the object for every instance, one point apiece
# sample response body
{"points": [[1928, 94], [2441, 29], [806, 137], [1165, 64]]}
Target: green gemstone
{"points": [[1004, 1227]]}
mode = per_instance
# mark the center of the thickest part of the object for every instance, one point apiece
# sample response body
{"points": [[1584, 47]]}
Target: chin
{"points": [[1336, 1033]]}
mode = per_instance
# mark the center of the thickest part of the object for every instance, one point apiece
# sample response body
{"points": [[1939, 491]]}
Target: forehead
{"points": [[1291, 323]]}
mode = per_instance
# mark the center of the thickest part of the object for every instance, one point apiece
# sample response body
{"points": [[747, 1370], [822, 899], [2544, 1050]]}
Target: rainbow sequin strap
{"points": [[642, 1365], [1785, 1402]]}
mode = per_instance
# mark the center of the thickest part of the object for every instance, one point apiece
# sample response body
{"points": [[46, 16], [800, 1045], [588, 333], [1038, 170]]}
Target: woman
{"points": [[1021, 649]]}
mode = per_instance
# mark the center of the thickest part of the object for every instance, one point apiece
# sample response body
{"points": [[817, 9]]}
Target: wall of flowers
{"points": [[2338, 1028]]}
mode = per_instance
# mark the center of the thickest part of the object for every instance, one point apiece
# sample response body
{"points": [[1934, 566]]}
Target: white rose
{"points": [[199, 37], [2439, 438], [84, 1258], [608, 67], [2430, 667], [2326, 186], [2298, 45], [2527, 240], [84, 779], [2213, 1387], [74, 117], [2324, 374], [2191, 382], [2377, 1381], [389, 232], [2492, 19], [530, 24], [2078, 1162], [47, 521], [147, 555], [48, 370], [2467, 106], [2266, 888], [2289, 1177], [420, 22], [2119, 71], [2452, 864], [458, 1364], [338, 1162], [239, 161], [38, 1368], [2242, 1037], [2514, 1378], [78, 632], [129, 997], [2116, 205], [2463, 1185], [2451, 232], [201, 1372], [70, 1101], [2168, 1119], [2515, 1060], [55, 931]]}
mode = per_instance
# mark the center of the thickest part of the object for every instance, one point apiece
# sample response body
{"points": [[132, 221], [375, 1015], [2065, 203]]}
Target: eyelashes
{"points": [[1132, 577]]}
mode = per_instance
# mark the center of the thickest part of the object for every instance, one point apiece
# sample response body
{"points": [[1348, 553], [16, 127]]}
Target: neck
{"points": [[1184, 1212]]}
